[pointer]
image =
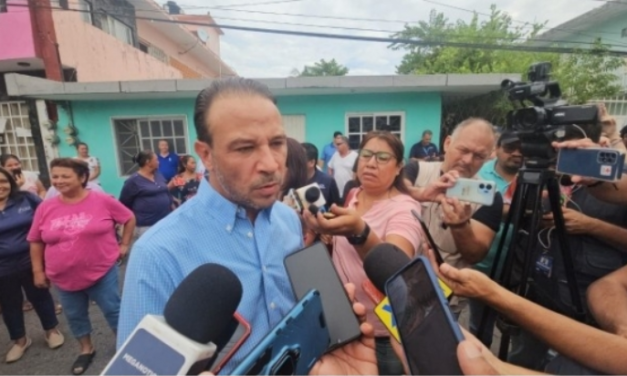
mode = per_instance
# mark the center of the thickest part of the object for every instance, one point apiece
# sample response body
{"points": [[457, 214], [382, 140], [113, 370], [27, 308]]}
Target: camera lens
{"points": [[489, 187], [312, 194], [481, 186]]}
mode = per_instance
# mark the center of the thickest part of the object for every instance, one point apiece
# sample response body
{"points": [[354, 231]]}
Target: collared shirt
{"points": [[488, 172], [212, 229], [168, 165], [422, 151]]}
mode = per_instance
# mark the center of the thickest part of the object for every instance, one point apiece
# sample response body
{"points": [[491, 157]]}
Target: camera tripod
{"points": [[530, 183]]}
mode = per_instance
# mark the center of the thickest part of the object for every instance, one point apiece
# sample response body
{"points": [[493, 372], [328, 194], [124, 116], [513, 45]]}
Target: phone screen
{"points": [[312, 268], [428, 332]]}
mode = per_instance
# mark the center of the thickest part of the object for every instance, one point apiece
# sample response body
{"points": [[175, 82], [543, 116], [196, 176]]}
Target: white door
{"points": [[295, 126]]}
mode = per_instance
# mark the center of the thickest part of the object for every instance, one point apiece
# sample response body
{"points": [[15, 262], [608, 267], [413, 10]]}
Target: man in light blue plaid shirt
{"points": [[234, 220]]}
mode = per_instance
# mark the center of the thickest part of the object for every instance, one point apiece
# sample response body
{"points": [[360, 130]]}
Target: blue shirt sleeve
{"points": [[127, 195], [148, 285]]}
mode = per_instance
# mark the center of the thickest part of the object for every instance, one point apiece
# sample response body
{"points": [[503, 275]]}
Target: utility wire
{"points": [[528, 23], [230, 8], [255, 4], [414, 42]]}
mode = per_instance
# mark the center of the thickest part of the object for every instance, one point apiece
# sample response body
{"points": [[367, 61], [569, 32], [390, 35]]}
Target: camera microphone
{"points": [[183, 340]]}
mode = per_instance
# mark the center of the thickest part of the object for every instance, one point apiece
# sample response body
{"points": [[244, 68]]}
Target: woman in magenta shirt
{"points": [[377, 211], [73, 244]]}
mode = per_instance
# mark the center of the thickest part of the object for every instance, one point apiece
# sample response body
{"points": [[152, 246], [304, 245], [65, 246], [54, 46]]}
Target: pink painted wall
{"points": [[98, 56], [16, 33], [150, 34]]}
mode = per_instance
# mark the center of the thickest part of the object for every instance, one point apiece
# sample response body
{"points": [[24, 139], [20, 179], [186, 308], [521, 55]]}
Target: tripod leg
{"points": [[520, 289], [488, 314], [560, 228]]}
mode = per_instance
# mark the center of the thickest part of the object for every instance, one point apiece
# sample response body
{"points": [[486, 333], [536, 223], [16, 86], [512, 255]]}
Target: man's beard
{"points": [[240, 198]]}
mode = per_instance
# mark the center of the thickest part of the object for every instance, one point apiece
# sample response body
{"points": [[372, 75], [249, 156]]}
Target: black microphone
{"points": [[182, 342], [382, 262], [312, 194]]}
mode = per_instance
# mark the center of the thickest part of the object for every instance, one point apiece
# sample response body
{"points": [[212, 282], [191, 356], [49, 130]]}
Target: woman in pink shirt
{"points": [[73, 244], [377, 211]]}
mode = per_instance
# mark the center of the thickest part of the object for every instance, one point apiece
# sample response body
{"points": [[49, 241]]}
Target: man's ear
{"points": [[447, 143], [203, 150]]}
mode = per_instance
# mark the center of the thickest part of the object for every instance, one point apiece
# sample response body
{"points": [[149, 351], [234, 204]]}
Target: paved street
{"points": [[40, 360]]}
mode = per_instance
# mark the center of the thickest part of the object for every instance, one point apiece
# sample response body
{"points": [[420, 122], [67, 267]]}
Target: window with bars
{"points": [[16, 131], [133, 135], [359, 124]]}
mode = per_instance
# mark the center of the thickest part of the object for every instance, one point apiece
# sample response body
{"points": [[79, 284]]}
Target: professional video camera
{"points": [[541, 123]]}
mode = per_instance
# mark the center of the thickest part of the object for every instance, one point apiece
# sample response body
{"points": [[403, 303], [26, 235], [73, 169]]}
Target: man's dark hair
{"points": [[623, 131], [337, 133], [311, 150], [427, 132], [220, 87]]}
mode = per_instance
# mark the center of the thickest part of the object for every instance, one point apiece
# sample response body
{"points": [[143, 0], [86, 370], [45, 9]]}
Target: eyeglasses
{"points": [[382, 157]]}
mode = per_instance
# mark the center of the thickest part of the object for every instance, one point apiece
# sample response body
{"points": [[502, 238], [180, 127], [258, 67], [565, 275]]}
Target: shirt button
{"points": [[228, 228], [264, 268], [250, 234], [272, 305]]}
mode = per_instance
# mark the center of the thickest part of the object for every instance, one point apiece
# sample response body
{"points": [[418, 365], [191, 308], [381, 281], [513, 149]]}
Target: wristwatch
{"points": [[361, 238]]}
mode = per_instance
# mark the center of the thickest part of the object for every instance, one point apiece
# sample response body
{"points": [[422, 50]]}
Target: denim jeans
{"points": [[105, 292], [387, 361], [12, 299]]}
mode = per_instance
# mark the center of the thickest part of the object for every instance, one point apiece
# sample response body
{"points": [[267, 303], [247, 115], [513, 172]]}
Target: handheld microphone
{"points": [[382, 262], [310, 198], [181, 342]]}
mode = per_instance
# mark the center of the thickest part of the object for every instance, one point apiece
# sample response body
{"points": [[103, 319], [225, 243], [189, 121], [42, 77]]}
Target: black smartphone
{"points": [[425, 229], [312, 268], [429, 333]]}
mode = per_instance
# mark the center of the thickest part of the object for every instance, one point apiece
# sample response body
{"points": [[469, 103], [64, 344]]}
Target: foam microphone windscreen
{"points": [[382, 262], [312, 194], [202, 306]]}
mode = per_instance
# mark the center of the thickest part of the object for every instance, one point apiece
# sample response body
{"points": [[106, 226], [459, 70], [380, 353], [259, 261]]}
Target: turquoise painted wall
{"points": [[326, 114], [93, 121], [323, 115]]}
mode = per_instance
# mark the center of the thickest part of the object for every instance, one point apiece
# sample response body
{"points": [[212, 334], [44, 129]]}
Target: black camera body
{"points": [[542, 123]]}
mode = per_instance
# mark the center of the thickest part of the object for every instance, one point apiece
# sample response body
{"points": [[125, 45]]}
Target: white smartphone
{"points": [[471, 190]]}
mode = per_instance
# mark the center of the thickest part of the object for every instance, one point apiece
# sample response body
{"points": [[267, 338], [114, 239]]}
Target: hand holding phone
{"points": [[480, 192], [429, 333]]}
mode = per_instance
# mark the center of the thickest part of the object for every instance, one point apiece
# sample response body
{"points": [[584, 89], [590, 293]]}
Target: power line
{"points": [[527, 23], [415, 42], [255, 4]]}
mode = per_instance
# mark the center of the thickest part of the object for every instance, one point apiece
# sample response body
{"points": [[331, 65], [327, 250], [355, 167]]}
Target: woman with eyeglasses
{"points": [[379, 210]]}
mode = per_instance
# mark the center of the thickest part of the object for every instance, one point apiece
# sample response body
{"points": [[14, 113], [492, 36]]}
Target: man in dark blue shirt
{"points": [[327, 184], [168, 162], [424, 150]]}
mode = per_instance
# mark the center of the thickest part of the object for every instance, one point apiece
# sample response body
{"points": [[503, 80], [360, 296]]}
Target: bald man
{"points": [[462, 231]]}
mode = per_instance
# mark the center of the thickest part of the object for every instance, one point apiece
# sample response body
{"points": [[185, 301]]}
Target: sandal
{"points": [[27, 306], [58, 309], [82, 363]]}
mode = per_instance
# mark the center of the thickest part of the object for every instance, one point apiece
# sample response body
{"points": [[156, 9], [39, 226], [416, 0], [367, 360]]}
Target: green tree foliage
{"points": [[324, 68], [584, 75]]}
